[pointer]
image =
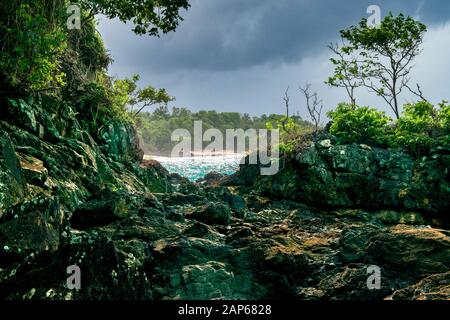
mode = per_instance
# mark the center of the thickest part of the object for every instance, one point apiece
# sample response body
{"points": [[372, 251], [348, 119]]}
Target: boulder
{"points": [[121, 142], [287, 259], [362, 177], [415, 251], [435, 287], [211, 178], [33, 226], [213, 213], [33, 170], [211, 280], [12, 183], [109, 206]]}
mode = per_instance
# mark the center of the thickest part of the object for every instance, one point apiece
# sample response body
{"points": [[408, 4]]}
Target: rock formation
{"points": [[138, 232]]}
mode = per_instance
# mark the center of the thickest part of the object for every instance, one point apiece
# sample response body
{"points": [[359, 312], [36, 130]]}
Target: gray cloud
{"points": [[235, 34], [240, 55]]}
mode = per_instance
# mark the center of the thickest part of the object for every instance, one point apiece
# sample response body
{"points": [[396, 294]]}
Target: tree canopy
{"points": [[379, 58], [148, 16], [127, 93], [36, 43]]}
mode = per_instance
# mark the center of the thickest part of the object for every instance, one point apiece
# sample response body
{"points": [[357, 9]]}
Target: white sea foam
{"points": [[195, 168]]}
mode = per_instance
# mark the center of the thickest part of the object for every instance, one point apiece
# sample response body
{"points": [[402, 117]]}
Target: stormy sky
{"points": [[241, 55]]}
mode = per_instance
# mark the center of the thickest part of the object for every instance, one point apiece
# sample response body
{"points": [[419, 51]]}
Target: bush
{"points": [[444, 124], [422, 127], [444, 117], [353, 124], [32, 45], [293, 132], [100, 103], [85, 59]]}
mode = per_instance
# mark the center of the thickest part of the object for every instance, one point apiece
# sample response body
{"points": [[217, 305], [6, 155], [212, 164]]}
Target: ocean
{"points": [[195, 168]]}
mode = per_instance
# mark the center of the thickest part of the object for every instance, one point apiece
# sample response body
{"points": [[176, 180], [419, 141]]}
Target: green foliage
{"points": [[292, 132], [85, 62], [395, 35], [414, 126], [39, 53], [353, 124], [288, 147], [37, 49], [93, 104], [422, 127], [155, 128], [346, 71], [122, 90], [292, 124], [89, 88], [379, 58], [148, 16], [444, 116], [443, 141], [32, 44], [88, 45], [127, 94], [104, 100], [343, 71]]}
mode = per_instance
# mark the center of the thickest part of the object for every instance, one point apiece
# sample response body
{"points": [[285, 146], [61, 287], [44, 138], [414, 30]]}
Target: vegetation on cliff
{"points": [[381, 59], [421, 129], [42, 56], [75, 191]]}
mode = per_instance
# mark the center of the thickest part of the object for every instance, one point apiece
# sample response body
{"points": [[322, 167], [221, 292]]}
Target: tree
{"points": [[314, 105], [379, 58], [32, 43], [148, 16], [345, 71], [286, 100], [161, 113], [126, 93], [36, 46]]}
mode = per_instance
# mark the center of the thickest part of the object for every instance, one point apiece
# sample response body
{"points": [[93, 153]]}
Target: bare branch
{"points": [[314, 105], [286, 100], [142, 108], [418, 92]]}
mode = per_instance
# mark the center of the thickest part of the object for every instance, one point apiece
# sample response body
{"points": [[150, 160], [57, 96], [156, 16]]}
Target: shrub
{"points": [[444, 124], [32, 45], [422, 127], [293, 132], [100, 103], [444, 117], [414, 127], [353, 124]]}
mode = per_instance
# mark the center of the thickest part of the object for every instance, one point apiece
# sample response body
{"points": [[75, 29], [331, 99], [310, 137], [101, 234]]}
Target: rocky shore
{"points": [[137, 232]]}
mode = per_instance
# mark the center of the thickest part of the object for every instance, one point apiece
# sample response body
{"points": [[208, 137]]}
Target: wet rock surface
{"points": [[290, 251], [138, 232], [358, 176]]}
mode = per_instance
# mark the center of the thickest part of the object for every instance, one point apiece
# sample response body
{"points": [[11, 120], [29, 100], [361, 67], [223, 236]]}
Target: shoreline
{"points": [[195, 154]]}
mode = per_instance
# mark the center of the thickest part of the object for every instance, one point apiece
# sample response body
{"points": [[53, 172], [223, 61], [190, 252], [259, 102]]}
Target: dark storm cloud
{"points": [[237, 34], [240, 55]]}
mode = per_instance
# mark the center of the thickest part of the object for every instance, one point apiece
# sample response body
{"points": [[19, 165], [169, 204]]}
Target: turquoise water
{"points": [[195, 168]]}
